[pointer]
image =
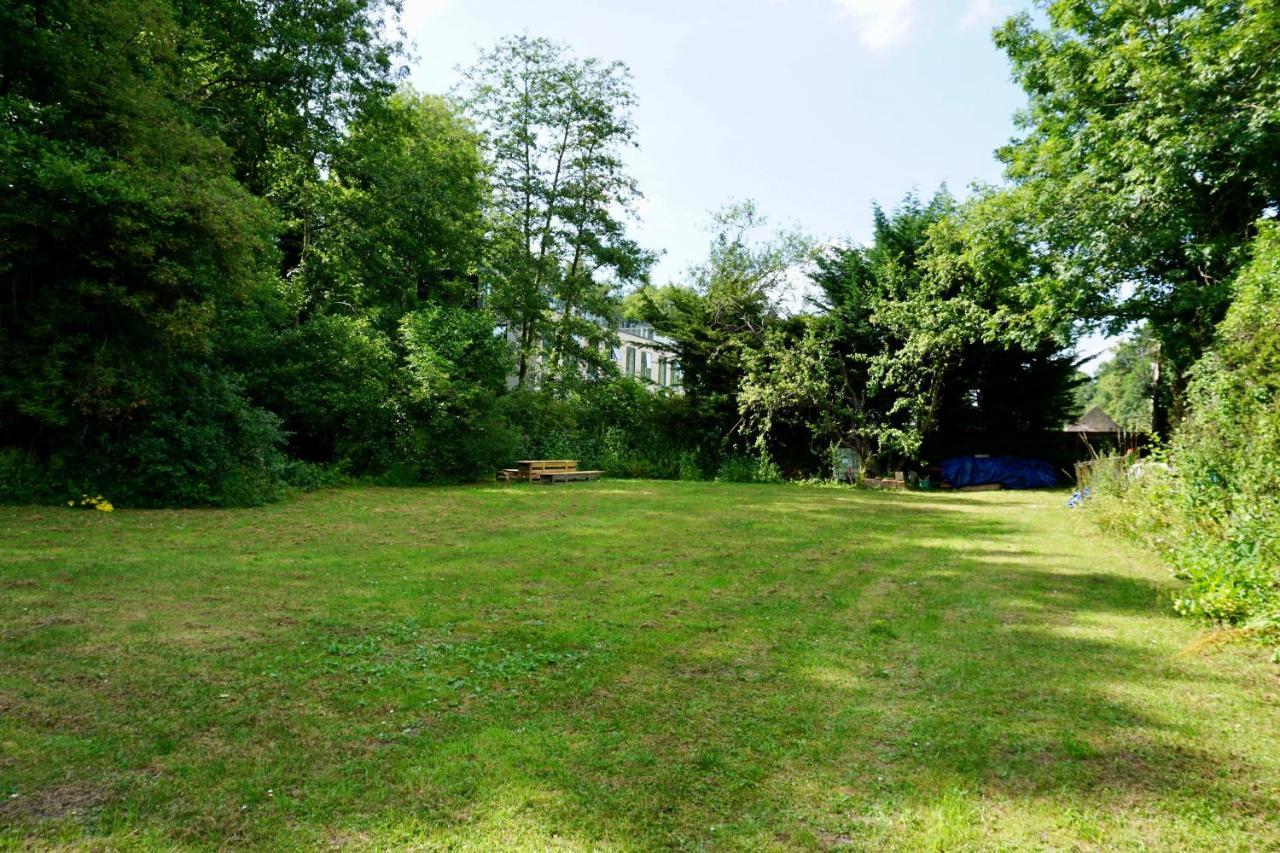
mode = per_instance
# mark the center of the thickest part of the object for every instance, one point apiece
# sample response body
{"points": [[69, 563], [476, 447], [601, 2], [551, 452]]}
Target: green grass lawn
{"points": [[617, 665]]}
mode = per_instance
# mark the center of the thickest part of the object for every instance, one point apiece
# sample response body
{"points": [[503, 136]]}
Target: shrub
{"points": [[748, 469], [614, 424], [202, 445], [331, 381], [1215, 515], [688, 468], [308, 476], [24, 479], [197, 442]]}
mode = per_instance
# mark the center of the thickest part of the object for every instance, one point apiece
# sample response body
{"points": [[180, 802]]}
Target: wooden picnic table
{"points": [[547, 471]]}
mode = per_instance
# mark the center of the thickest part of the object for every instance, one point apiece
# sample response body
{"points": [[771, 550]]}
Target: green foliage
{"points": [[923, 349], [455, 366], [1149, 151], [401, 215], [616, 425], [281, 83], [27, 479], [558, 128], [688, 468], [129, 249], [1124, 385], [1216, 514], [331, 379], [204, 445], [748, 469], [723, 317]]}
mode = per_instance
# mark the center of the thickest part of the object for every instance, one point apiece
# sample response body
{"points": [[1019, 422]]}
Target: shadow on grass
{"points": [[788, 667]]}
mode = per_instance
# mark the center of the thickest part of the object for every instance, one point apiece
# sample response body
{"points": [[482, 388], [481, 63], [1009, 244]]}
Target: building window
{"points": [[644, 365], [662, 371], [631, 361], [675, 375]]}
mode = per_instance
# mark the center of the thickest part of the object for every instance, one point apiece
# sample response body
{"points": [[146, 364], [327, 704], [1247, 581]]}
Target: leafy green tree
{"points": [[332, 379], [1124, 384], [455, 369], [725, 311], [280, 83], [1150, 149], [919, 350], [398, 234], [127, 250], [401, 214], [558, 130]]}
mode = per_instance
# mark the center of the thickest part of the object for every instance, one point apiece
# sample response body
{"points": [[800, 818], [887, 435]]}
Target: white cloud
{"points": [[983, 13], [882, 24]]}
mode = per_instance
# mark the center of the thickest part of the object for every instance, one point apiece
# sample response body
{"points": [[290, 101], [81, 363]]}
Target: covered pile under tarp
{"points": [[1009, 471]]}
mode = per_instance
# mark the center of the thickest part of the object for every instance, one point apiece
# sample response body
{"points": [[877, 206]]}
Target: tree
{"points": [[921, 349], [1124, 384], [1150, 148], [280, 83], [558, 129], [398, 233], [127, 250], [401, 214], [731, 301]]}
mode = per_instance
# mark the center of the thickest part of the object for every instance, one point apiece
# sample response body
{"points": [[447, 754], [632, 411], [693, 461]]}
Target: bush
{"points": [[25, 480], [197, 442], [331, 381], [748, 469], [308, 476], [688, 467], [1215, 515], [203, 445], [615, 425], [456, 445]]}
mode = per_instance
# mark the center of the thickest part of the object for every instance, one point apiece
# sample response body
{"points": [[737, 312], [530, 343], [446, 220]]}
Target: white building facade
{"points": [[640, 353], [643, 354]]}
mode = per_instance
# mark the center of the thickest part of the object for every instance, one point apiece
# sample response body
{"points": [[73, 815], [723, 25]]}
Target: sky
{"points": [[814, 109]]}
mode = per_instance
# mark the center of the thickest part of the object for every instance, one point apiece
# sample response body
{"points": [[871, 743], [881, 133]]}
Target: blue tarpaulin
{"points": [[1009, 471]]}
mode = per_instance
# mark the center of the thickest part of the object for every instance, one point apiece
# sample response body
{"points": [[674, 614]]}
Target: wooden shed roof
{"points": [[1095, 420]]}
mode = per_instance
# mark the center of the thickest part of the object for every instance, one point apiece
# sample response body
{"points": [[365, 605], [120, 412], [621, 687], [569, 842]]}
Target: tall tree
{"points": [[280, 82], [726, 309], [126, 249], [398, 232], [401, 214], [921, 348], [1150, 148], [559, 128]]}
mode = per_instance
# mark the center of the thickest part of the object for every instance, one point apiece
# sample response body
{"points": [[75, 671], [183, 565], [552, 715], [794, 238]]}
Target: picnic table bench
{"points": [[547, 471]]}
